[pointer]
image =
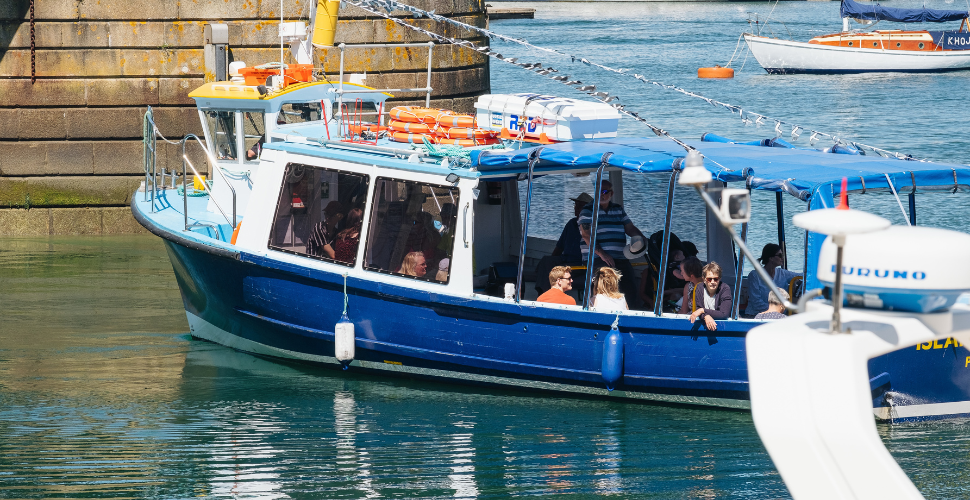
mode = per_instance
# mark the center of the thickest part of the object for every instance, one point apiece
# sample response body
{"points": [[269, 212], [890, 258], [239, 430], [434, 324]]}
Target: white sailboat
{"points": [[871, 51]]}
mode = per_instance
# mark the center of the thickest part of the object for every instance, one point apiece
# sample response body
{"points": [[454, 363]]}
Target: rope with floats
{"points": [[384, 7], [537, 67]]}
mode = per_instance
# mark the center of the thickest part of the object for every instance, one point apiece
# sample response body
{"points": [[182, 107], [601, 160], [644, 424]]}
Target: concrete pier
{"points": [[70, 142]]}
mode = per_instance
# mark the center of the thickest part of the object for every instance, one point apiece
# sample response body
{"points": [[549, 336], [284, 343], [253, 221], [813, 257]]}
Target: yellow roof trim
{"points": [[228, 90]]}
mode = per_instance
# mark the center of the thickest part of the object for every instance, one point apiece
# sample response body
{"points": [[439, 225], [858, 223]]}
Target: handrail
{"points": [[205, 187], [533, 160], [594, 225], [149, 152]]}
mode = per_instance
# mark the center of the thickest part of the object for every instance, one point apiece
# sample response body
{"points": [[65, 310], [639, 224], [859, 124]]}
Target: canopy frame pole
{"points": [[658, 303], [912, 209], [533, 160], [591, 255], [780, 215], [738, 275]]}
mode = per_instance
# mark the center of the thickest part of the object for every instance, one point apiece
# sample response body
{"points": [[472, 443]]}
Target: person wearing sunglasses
{"points": [[773, 260], [613, 226], [561, 281], [715, 302]]}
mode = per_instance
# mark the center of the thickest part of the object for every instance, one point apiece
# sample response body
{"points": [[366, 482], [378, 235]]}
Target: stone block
{"points": [[9, 123], [175, 91], [128, 9], [20, 222], [23, 158], [43, 123], [118, 220], [13, 193], [110, 123], [14, 9], [176, 122], [119, 157], [122, 92], [76, 221], [450, 8], [70, 158], [62, 191], [170, 158], [224, 9], [17, 92]]}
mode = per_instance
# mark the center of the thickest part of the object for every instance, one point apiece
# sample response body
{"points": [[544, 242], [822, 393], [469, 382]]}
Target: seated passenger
{"points": [[772, 258], [776, 309], [690, 249], [715, 302], [345, 245], [691, 269], [443, 266], [414, 265], [607, 286], [423, 236], [320, 242], [561, 281]]}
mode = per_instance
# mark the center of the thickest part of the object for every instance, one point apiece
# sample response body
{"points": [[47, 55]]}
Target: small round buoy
{"points": [[716, 72]]}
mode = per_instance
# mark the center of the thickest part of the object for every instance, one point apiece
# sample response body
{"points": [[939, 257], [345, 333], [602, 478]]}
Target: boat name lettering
{"points": [[935, 344], [882, 273], [514, 123]]}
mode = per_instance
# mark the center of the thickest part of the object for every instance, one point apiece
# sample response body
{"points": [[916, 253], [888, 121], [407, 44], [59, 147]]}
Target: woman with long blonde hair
{"points": [[608, 297], [414, 265]]}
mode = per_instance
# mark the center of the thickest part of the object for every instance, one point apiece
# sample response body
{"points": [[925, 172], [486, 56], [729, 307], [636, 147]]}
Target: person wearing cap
{"points": [[567, 250], [613, 226]]}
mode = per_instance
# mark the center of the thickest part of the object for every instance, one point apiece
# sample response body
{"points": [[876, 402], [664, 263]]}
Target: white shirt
{"points": [[758, 291], [709, 301], [603, 303]]}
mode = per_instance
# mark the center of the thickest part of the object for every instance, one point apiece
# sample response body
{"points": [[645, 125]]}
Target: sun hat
{"points": [[636, 248]]}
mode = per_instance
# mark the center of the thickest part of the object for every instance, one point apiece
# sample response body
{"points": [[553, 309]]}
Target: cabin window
{"points": [[875, 44], [319, 213], [253, 125], [850, 44], [412, 229], [299, 112], [899, 44], [921, 45], [222, 131]]}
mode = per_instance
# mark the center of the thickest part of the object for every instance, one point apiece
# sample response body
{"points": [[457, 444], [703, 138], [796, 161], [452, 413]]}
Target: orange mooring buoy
{"points": [[716, 72]]}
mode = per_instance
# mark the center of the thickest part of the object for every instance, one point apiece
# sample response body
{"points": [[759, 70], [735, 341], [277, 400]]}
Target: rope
{"points": [[901, 209], [345, 294], [394, 5]]}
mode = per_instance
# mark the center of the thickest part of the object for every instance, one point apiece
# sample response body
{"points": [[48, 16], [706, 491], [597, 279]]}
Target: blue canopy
{"points": [[876, 12], [800, 172]]}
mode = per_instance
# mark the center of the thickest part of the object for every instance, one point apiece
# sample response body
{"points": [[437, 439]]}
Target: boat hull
{"points": [[783, 57], [264, 306]]}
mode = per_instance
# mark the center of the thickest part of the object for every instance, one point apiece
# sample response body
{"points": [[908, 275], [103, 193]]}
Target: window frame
{"points": [[370, 227], [364, 223]]}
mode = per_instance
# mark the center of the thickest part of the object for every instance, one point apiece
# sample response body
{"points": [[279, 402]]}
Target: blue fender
{"points": [[612, 368]]}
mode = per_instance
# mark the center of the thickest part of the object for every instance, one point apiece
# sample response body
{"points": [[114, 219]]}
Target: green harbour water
{"points": [[103, 394]]}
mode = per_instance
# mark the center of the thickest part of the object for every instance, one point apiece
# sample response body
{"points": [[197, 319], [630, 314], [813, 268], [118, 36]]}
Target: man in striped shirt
{"points": [[612, 228]]}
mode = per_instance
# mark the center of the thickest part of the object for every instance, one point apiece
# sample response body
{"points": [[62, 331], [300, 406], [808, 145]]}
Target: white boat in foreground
{"points": [[870, 51]]}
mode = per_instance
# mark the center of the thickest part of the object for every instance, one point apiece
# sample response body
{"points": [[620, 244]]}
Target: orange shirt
{"points": [[556, 296]]}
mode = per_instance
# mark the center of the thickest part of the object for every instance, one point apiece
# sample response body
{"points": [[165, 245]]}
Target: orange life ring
{"points": [[449, 119], [358, 128], [468, 142], [411, 138], [414, 114], [716, 72], [465, 133], [414, 128]]}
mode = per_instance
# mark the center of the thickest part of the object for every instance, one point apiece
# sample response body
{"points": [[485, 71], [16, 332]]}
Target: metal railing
{"points": [[150, 153], [340, 89], [205, 186]]}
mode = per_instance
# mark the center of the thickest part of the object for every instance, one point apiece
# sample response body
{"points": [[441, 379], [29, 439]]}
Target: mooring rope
{"points": [[387, 6]]}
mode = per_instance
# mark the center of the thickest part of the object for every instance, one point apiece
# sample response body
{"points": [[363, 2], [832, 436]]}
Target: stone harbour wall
{"points": [[70, 142]]}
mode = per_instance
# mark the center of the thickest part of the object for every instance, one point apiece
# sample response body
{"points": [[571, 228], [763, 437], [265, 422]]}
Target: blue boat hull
{"points": [[268, 307]]}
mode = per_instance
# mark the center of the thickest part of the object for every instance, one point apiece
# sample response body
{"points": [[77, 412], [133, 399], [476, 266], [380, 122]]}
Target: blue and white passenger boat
{"points": [[255, 275]]}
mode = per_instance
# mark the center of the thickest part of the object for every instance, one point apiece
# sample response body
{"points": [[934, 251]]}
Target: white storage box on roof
{"points": [[559, 118]]}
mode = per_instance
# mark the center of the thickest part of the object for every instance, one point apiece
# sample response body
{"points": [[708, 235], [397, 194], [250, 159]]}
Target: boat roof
{"points": [[228, 95], [799, 172]]}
